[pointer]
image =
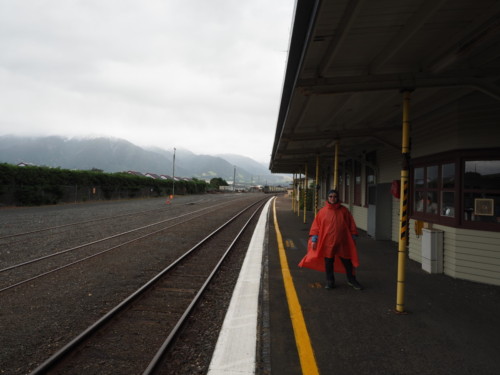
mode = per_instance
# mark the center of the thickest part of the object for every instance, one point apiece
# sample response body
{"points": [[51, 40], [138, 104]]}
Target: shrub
{"points": [[43, 185]]}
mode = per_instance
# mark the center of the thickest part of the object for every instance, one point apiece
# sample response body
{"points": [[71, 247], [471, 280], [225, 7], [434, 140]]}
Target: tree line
{"points": [[34, 185]]}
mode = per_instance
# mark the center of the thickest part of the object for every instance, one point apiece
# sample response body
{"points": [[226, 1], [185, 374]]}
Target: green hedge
{"points": [[309, 198], [42, 185]]}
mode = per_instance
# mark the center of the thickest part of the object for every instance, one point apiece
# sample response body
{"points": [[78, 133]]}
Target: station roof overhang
{"points": [[349, 62]]}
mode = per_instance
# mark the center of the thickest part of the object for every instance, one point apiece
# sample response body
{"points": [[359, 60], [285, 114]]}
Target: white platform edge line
{"points": [[235, 351]]}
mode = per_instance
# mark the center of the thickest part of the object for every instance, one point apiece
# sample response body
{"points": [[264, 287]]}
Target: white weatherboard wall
{"points": [[472, 255], [467, 254], [360, 215], [396, 224]]}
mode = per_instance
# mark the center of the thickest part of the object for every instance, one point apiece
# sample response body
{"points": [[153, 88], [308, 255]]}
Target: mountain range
{"points": [[118, 155]]}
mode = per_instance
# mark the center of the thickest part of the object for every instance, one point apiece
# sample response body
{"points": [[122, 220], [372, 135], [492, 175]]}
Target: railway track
{"points": [[30, 270], [152, 315], [57, 228], [42, 317], [9, 229]]}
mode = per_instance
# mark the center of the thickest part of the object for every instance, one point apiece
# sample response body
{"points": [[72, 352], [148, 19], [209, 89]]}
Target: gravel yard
{"points": [[39, 317]]}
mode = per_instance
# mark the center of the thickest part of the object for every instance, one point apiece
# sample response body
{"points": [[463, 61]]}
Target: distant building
{"points": [[139, 174]]}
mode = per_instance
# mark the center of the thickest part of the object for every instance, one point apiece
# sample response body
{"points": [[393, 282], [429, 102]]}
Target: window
{"points": [[426, 188], [418, 188], [448, 190], [370, 181], [482, 191], [357, 183], [370, 186], [347, 181], [458, 188]]}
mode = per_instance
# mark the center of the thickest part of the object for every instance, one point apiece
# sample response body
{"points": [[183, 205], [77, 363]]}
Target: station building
{"points": [[396, 103]]}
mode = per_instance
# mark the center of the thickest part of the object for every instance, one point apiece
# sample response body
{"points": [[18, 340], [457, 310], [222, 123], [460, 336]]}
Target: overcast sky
{"points": [[203, 75]]}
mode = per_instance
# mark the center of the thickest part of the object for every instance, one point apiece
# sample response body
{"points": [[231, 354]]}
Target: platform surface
{"points": [[451, 326]]}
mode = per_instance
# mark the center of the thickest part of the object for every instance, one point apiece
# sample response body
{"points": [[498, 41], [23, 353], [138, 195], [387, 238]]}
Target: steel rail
{"points": [[103, 251], [61, 353], [169, 340], [105, 239], [95, 254], [84, 222], [77, 223]]}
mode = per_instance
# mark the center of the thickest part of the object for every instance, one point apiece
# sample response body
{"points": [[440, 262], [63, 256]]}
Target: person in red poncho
{"points": [[332, 246]]}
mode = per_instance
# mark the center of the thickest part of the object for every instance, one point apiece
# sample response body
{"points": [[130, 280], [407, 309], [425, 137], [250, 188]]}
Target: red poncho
{"points": [[334, 226]]}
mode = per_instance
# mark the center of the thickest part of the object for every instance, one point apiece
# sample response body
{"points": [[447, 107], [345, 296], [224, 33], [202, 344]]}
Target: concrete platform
{"points": [[452, 326]]}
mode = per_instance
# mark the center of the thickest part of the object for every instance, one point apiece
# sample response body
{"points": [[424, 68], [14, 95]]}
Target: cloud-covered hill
{"points": [[118, 155]]}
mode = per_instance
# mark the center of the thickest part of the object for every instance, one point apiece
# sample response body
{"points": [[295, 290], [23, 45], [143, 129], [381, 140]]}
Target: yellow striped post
{"points": [[336, 167], [403, 205]]}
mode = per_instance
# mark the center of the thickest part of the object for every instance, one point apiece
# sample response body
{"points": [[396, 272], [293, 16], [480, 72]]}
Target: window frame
{"points": [[369, 171], [357, 182], [347, 180], [426, 191], [458, 158], [492, 226], [370, 177]]}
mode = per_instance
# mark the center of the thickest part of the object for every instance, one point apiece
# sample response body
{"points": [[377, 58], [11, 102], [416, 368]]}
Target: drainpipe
{"points": [[403, 205], [316, 196], [298, 194], [305, 193], [352, 184]]}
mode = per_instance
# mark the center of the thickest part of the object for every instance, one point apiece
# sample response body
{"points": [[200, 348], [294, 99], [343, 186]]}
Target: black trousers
{"points": [[330, 276]]}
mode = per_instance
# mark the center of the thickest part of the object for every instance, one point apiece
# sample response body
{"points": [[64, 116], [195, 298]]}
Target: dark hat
{"points": [[332, 191]]}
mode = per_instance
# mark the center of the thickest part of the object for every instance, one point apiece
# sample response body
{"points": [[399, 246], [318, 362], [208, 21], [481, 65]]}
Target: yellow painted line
{"points": [[302, 340]]}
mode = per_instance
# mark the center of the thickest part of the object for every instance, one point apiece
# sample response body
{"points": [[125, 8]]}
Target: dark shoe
{"points": [[330, 286], [355, 285]]}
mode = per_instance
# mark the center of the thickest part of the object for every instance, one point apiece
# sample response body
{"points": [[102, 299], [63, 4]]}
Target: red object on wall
{"points": [[396, 189]]}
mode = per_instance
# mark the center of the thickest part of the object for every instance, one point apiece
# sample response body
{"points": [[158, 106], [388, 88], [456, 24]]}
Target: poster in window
{"points": [[483, 207]]}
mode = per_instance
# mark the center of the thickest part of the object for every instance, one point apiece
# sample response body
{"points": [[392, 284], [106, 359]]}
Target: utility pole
{"points": [[173, 175], [234, 179]]}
